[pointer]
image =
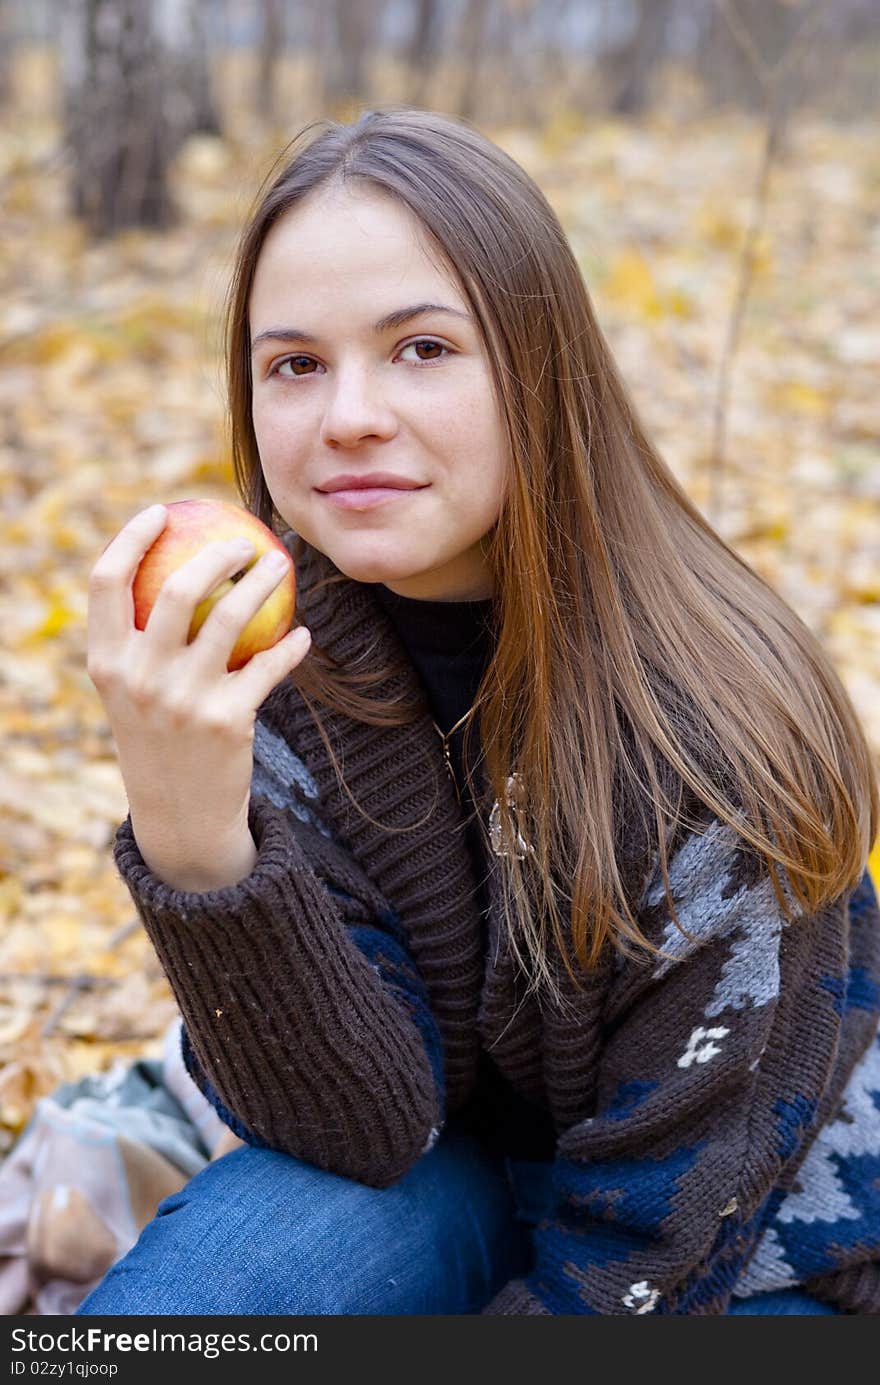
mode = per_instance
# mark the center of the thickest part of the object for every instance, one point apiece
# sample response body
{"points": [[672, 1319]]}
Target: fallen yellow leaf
{"points": [[874, 865]]}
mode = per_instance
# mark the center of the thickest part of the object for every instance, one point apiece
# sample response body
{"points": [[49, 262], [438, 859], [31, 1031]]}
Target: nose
{"points": [[356, 410]]}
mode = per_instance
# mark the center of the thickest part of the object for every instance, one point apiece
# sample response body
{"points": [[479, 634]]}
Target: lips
{"points": [[367, 497], [372, 480]]}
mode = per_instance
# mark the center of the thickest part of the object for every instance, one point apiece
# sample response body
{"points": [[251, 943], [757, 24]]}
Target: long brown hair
{"points": [[635, 651]]}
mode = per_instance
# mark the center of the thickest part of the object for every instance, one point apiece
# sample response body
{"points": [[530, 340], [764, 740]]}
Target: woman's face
{"points": [[336, 392]]}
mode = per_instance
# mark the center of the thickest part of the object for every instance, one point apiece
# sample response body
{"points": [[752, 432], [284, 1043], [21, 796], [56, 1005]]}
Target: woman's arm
{"points": [[301, 1005]]}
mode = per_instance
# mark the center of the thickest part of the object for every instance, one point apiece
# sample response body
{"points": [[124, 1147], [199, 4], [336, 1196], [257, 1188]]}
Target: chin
{"points": [[371, 567], [371, 572]]}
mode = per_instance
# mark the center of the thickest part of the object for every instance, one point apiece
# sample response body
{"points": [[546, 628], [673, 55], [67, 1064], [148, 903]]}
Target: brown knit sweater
{"points": [[717, 1112]]}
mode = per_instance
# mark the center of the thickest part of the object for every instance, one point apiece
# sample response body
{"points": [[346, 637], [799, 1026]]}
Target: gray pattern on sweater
{"points": [[699, 878], [856, 1131], [819, 1194], [768, 1269], [278, 773]]}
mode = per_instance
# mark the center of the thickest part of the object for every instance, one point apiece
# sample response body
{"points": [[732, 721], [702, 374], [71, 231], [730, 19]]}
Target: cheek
{"points": [[278, 443], [264, 417], [479, 499], [261, 426]]}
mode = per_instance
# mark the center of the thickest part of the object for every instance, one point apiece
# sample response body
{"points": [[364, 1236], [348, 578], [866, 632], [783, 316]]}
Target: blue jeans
{"points": [[258, 1232]]}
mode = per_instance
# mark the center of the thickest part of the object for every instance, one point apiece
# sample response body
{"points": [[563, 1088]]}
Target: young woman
{"points": [[520, 922]]}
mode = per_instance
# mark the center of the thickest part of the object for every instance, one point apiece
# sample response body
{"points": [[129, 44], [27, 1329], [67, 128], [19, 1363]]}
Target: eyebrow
{"points": [[385, 324]]}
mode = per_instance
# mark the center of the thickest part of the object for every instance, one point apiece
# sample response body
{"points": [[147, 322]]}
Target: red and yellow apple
{"points": [[191, 524]]}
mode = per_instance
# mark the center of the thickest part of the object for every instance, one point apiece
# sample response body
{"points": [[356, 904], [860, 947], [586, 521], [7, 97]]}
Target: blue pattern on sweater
{"points": [[637, 1192], [393, 963], [609, 1213], [858, 991], [863, 900], [809, 1248], [730, 1252], [627, 1098], [794, 1118], [834, 1205]]}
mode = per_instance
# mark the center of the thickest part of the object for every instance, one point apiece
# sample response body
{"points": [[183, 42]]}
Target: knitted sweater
{"points": [[717, 1111], [450, 643]]}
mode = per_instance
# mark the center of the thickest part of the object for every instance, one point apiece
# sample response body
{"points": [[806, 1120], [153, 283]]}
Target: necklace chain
{"points": [[454, 728], [446, 756]]}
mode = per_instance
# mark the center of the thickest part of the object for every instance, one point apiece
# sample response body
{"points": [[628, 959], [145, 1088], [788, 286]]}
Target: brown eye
{"points": [[292, 360], [426, 341]]}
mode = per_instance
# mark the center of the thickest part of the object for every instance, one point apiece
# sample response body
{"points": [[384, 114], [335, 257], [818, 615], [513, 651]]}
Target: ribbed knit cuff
{"points": [[515, 1300], [290, 1022]]}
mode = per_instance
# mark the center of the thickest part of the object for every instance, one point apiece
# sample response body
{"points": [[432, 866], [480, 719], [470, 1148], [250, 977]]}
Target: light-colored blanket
{"points": [[89, 1170]]}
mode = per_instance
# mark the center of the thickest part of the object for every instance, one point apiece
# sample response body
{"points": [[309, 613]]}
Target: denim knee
{"points": [[210, 1247], [260, 1232]]}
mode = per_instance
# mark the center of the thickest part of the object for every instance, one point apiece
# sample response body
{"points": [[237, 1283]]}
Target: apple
{"points": [[191, 524]]}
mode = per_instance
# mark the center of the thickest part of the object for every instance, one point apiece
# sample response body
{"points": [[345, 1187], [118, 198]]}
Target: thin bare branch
{"points": [[774, 81]]}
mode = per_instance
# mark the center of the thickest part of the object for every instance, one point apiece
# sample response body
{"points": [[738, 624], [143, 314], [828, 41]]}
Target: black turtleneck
{"points": [[450, 643]]}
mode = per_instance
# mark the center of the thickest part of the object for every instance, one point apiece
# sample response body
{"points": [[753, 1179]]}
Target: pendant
{"points": [[515, 800], [451, 772], [447, 760]]}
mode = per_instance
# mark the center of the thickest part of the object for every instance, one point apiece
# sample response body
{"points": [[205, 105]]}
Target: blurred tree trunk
{"points": [[517, 43], [271, 47], [6, 40], [525, 62], [128, 105], [347, 47], [474, 24], [552, 56], [197, 60], [116, 128], [422, 48], [630, 66]]}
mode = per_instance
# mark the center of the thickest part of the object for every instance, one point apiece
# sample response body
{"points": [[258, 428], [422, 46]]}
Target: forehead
{"points": [[350, 242]]}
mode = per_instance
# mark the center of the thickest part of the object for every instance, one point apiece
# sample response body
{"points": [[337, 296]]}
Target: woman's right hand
{"points": [[183, 725]]}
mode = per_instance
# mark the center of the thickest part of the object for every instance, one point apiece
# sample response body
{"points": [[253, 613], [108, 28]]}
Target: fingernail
{"points": [[276, 562]]}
